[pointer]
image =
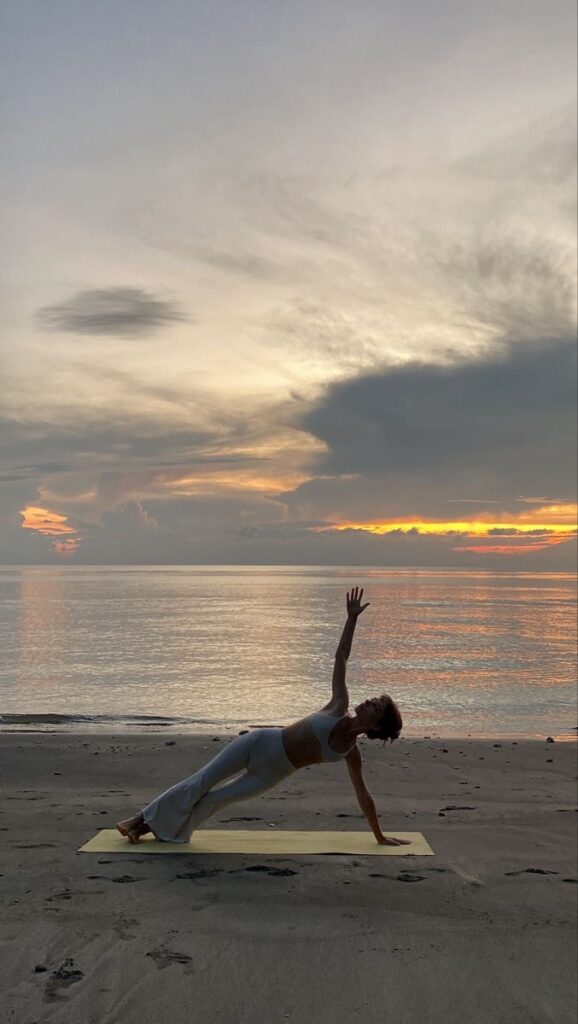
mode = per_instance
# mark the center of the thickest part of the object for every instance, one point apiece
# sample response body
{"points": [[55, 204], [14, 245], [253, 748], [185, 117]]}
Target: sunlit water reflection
{"points": [[220, 648]]}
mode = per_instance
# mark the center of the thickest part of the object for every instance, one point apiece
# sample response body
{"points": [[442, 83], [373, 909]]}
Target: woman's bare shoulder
{"points": [[336, 707]]}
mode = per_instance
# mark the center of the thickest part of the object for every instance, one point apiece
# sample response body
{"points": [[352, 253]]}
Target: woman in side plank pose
{"points": [[267, 756]]}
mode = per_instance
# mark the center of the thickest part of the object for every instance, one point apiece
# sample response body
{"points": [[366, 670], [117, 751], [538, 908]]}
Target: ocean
{"points": [[216, 649]]}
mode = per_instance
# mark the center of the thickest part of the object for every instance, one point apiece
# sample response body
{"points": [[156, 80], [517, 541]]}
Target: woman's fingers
{"points": [[354, 600]]}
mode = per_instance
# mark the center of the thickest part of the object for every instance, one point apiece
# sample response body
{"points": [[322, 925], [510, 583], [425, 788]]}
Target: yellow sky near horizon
{"points": [[529, 530]]}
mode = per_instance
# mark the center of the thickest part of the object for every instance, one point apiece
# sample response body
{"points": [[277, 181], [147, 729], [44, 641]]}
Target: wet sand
{"points": [[485, 931]]}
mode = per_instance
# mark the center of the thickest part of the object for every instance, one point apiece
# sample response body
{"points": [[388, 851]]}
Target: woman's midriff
{"points": [[301, 744]]}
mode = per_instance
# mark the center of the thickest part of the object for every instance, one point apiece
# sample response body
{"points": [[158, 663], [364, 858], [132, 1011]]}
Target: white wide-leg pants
{"points": [[259, 754]]}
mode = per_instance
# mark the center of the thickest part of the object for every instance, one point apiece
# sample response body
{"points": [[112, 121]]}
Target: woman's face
{"points": [[370, 712]]}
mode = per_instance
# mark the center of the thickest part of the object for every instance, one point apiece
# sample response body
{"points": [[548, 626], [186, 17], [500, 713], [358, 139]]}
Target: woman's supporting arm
{"points": [[364, 797], [368, 807]]}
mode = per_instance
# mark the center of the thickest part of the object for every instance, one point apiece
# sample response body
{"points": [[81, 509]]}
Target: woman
{"points": [[267, 756]]}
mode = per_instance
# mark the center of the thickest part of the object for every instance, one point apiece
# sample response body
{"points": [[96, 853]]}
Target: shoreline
{"points": [[89, 725], [567, 738], [273, 938]]}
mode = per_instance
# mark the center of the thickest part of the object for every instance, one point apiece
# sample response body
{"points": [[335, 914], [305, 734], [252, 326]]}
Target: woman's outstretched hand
{"points": [[354, 605]]}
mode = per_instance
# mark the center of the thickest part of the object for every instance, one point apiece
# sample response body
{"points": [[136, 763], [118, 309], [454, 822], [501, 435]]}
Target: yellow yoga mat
{"points": [[281, 842]]}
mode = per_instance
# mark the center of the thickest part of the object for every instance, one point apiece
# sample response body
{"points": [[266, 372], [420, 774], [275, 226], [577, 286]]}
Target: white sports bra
{"points": [[322, 723]]}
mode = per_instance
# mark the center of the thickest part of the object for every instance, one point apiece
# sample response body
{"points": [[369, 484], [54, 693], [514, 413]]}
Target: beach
{"points": [[484, 931]]}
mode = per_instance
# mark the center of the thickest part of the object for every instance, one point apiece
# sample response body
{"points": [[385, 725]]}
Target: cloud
{"points": [[130, 517], [33, 472], [127, 312], [114, 440], [242, 263], [447, 257], [544, 155], [518, 286], [64, 538], [512, 414], [397, 444], [118, 459], [400, 443]]}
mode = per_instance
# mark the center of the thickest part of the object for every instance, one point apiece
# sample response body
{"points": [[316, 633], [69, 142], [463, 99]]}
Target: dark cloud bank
{"points": [[127, 312], [490, 430]]}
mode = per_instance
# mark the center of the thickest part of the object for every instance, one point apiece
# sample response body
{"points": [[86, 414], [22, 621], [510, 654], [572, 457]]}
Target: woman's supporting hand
{"points": [[392, 841], [354, 605]]}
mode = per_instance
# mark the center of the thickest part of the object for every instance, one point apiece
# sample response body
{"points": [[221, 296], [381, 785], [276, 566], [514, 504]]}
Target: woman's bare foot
{"points": [[133, 828]]}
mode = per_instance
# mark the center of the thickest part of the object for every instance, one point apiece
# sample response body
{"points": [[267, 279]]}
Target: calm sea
{"points": [[220, 648]]}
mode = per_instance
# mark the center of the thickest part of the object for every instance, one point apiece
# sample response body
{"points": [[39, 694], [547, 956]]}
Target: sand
{"points": [[484, 932]]}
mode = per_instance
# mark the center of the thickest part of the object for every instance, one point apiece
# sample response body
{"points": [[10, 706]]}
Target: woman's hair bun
{"points": [[390, 725]]}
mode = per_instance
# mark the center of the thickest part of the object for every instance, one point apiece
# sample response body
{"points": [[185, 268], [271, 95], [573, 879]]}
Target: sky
{"points": [[289, 283]]}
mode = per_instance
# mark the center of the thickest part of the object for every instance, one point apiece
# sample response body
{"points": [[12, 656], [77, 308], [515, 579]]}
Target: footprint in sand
{"points": [[165, 957], [531, 871], [35, 846], [66, 895], [63, 977], [223, 820], [280, 872], [121, 927], [404, 876], [122, 879], [202, 873], [210, 872]]}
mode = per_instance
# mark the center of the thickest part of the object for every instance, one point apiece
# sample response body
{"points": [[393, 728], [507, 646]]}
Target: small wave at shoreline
{"points": [[55, 722], [59, 718]]}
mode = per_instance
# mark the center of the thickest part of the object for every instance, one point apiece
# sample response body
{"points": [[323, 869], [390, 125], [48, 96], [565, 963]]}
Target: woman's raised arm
{"points": [[354, 610], [339, 695]]}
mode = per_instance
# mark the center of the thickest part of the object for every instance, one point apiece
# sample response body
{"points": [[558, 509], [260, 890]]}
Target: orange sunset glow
{"points": [[65, 539], [535, 537]]}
